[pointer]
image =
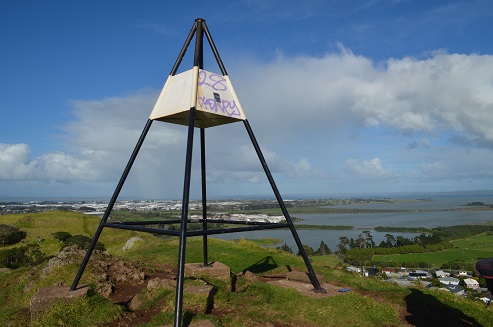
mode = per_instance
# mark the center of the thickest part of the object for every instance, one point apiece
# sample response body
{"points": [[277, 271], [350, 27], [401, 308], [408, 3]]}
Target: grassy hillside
{"points": [[370, 302], [469, 250]]}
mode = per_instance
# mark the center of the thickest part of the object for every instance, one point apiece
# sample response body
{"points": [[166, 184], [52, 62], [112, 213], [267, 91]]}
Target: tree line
{"points": [[360, 250]]}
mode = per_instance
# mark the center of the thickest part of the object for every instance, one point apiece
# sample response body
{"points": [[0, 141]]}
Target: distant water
{"points": [[369, 221]]}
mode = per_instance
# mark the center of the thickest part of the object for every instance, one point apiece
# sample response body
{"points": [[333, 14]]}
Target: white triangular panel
{"points": [[212, 95], [175, 96]]}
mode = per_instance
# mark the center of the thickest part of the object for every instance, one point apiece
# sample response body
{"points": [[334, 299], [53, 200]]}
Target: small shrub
{"points": [[10, 234], [82, 242], [29, 255], [61, 236]]}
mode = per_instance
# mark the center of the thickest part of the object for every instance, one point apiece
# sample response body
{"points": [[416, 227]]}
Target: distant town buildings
{"points": [[449, 281], [97, 208], [90, 207], [409, 277]]}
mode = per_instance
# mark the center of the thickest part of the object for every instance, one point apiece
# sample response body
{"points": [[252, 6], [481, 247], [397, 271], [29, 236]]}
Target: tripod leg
{"points": [[311, 272], [95, 239]]}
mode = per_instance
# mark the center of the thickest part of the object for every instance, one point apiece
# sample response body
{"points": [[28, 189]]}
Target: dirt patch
{"points": [[137, 318], [125, 292], [307, 289]]}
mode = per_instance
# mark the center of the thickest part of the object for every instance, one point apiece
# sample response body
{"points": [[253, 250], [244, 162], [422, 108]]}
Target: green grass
{"points": [[370, 302], [261, 304], [326, 260], [478, 242], [41, 226], [92, 310], [265, 241], [468, 249]]}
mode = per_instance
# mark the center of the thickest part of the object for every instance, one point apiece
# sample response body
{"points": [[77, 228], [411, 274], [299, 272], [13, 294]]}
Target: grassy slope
{"points": [[370, 303], [468, 249]]}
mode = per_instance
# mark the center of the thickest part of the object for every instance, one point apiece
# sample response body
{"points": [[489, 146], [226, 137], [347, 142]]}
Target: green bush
{"points": [[29, 255], [61, 236], [82, 242], [10, 234]]}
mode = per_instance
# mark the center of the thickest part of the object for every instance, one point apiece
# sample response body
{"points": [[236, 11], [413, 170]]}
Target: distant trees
{"points": [[342, 246], [360, 251], [285, 248], [359, 257], [389, 241], [323, 249], [368, 239], [364, 241], [308, 250]]}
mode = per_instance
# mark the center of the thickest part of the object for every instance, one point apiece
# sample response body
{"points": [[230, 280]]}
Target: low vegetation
{"points": [[10, 234], [239, 302]]}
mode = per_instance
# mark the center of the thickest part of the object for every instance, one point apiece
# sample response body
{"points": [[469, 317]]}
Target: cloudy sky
{"points": [[344, 97]]}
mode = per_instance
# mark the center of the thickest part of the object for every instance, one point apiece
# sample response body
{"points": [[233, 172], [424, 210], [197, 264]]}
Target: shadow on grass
{"points": [[262, 266], [425, 310], [188, 316]]}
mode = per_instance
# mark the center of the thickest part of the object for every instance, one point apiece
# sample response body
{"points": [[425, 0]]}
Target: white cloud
{"points": [[241, 164], [107, 130], [16, 164], [13, 161], [369, 170], [444, 92], [297, 108]]}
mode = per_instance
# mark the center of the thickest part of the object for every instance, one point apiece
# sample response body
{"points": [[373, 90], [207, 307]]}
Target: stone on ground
{"points": [[215, 270], [46, 297]]}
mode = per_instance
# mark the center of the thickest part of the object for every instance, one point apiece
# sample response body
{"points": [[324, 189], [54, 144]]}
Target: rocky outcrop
{"points": [[110, 270], [159, 283]]}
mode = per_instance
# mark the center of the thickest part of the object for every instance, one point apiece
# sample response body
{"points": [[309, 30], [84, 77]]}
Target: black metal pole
{"points": [[214, 49], [202, 161], [94, 241], [183, 228], [204, 196], [311, 272], [198, 58], [184, 49]]}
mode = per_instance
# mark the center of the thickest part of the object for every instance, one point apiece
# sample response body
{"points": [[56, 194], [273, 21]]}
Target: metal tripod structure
{"points": [[212, 102]]}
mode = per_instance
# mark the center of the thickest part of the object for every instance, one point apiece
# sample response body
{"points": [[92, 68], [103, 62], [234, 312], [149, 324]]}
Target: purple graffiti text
{"points": [[225, 106], [215, 81]]}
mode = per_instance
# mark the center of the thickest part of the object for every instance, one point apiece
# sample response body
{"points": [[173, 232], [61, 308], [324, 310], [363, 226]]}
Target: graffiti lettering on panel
{"points": [[218, 102]]}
